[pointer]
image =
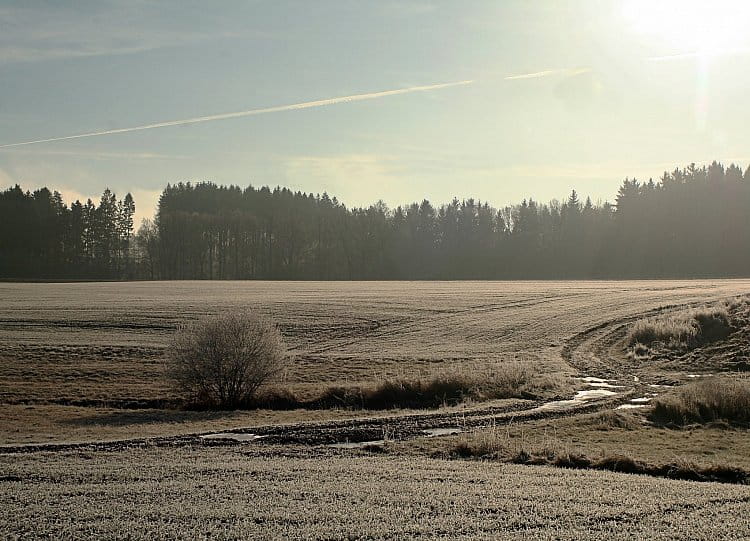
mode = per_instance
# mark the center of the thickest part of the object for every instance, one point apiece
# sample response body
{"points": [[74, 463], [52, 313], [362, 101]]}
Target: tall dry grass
{"points": [[687, 329], [501, 381], [714, 399], [508, 380], [496, 444]]}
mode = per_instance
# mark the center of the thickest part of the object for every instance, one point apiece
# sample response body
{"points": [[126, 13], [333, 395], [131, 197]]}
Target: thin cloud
{"points": [[251, 112], [40, 32], [546, 73]]}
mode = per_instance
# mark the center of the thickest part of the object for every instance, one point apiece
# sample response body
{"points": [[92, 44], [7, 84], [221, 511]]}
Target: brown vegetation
{"points": [[684, 329], [513, 380], [710, 400], [497, 445]]}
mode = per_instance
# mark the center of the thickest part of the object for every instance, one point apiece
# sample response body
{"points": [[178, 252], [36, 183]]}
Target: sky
{"points": [[499, 101]]}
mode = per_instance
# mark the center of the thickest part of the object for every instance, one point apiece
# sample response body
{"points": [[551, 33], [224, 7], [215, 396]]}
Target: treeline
{"points": [[41, 237], [692, 222]]}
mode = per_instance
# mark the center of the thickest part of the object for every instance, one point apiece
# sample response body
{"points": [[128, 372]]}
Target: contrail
{"points": [[251, 112], [676, 56], [545, 73]]}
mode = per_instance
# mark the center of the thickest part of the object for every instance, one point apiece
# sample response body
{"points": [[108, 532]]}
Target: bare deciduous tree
{"points": [[222, 360]]}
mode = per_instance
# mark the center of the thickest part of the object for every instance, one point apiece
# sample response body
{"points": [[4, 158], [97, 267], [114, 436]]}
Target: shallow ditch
{"points": [[357, 433], [363, 433]]}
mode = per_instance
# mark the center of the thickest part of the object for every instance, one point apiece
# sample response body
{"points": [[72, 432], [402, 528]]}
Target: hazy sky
{"points": [[564, 95]]}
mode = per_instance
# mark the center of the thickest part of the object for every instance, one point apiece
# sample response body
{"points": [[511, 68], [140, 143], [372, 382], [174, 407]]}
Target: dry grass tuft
{"points": [[489, 443], [685, 329], [496, 443], [512, 380], [707, 401], [615, 419], [509, 380]]}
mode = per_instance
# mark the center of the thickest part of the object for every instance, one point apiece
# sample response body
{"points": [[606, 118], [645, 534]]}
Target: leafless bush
{"points": [[221, 361]]}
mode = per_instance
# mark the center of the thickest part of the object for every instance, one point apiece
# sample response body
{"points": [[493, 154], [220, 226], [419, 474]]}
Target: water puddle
{"points": [[604, 385], [356, 444], [592, 379], [581, 397], [231, 436], [599, 382], [431, 432], [635, 403]]}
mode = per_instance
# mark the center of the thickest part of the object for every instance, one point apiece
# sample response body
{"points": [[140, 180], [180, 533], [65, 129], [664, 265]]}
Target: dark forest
{"points": [[692, 222]]}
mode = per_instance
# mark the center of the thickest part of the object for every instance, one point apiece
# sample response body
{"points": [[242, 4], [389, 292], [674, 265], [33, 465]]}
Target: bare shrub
{"points": [[688, 328], [709, 400], [221, 361]]}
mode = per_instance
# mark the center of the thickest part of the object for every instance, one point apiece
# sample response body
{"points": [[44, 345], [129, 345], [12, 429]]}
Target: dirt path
{"points": [[397, 427]]}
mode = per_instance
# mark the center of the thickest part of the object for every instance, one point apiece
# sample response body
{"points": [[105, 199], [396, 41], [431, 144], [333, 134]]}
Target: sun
{"points": [[696, 26]]}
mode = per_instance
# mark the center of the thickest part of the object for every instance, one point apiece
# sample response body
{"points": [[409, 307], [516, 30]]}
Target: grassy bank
{"points": [[684, 329], [713, 400], [502, 381]]}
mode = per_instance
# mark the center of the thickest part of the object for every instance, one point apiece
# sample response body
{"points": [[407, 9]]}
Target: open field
{"points": [[64, 346], [83, 363], [233, 493]]}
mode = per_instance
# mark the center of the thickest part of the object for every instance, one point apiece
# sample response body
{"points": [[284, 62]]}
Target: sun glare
{"points": [[696, 26]]}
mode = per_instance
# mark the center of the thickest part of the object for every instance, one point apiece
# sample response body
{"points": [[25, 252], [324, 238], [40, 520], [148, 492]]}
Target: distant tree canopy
{"points": [[41, 237], [693, 222]]}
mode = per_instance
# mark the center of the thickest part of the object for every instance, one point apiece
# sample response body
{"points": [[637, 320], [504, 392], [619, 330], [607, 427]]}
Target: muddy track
{"points": [[598, 350], [399, 427]]}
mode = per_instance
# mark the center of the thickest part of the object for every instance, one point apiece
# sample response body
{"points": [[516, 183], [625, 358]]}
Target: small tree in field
{"points": [[221, 361]]}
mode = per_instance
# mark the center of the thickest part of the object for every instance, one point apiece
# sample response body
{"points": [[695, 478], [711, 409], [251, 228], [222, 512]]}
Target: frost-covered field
{"points": [[97, 340], [234, 494], [65, 348]]}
